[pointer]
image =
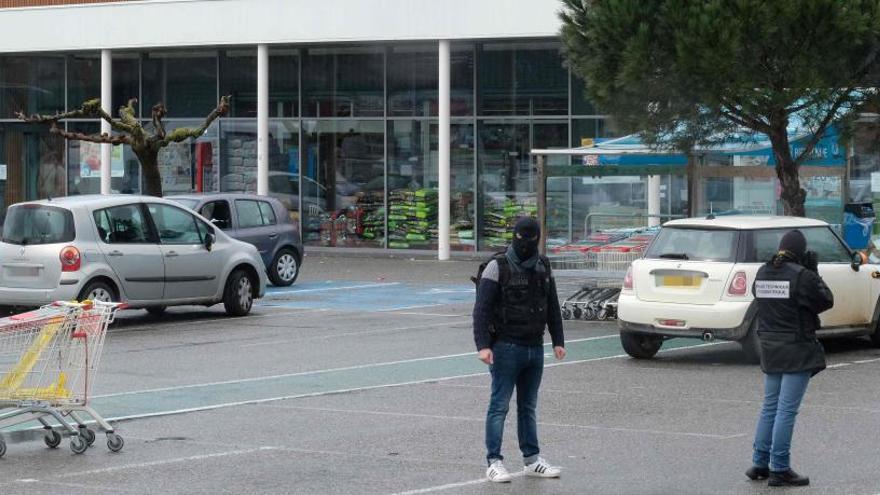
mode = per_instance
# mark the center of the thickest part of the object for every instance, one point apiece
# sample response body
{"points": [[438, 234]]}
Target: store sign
{"points": [[90, 160]]}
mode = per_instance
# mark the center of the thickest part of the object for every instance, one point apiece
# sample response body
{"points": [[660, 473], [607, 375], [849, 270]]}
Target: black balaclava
{"points": [[526, 235], [795, 243]]}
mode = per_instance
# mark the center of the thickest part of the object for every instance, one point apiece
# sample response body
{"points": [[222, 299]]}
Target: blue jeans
{"points": [[783, 393], [520, 367]]}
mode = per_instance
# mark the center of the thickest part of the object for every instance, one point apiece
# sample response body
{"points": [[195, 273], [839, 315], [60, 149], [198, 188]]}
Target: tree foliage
{"points": [[687, 72]]}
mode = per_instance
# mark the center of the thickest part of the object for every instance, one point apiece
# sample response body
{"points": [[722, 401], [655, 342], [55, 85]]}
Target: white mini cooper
{"points": [[695, 280]]}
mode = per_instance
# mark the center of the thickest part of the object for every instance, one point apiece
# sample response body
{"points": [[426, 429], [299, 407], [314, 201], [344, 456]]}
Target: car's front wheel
{"points": [[640, 345], [98, 290], [238, 296], [284, 268]]}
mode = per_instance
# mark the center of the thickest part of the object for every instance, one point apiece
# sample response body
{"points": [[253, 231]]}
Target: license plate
{"points": [[686, 281], [22, 271]]}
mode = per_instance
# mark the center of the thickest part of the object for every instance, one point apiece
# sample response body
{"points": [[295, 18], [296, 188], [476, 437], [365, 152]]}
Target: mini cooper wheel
{"points": [[640, 345]]}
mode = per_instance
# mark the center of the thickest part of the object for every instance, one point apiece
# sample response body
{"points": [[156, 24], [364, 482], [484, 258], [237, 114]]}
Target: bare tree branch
{"points": [[159, 112], [92, 138], [184, 133]]}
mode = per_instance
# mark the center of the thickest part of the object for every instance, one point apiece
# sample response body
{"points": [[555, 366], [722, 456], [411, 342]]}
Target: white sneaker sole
{"points": [[535, 474], [500, 479]]}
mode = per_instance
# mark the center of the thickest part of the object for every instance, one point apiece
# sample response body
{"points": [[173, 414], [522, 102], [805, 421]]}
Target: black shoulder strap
{"points": [[503, 269]]}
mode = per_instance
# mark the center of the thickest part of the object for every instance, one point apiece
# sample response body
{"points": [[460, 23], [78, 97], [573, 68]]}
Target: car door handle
{"points": [[273, 235], [171, 254], [115, 253]]}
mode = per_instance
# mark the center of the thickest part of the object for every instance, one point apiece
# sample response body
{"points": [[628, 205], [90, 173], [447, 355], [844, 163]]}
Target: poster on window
{"points": [[90, 160], [175, 167]]}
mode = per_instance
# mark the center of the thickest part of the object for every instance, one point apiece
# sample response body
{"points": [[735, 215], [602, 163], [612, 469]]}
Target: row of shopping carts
{"points": [[49, 358], [595, 300]]}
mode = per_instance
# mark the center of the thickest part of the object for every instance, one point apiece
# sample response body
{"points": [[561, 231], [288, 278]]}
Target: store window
{"points": [[580, 101], [185, 81], [413, 181], [84, 164], [413, 79], [283, 82], [343, 82], [31, 84], [864, 183], [33, 164], [343, 195], [83, 78], [522, 79], [238, 79], [190, 166], [126, 81]]}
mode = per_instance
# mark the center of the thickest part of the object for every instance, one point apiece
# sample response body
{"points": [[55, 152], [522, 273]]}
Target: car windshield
{"points": [[694, 245], [189, 203], [31, 224]]}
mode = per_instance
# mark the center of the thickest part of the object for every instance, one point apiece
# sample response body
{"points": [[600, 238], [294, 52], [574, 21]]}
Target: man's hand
{"points": [[560, 352], [485, 356]]}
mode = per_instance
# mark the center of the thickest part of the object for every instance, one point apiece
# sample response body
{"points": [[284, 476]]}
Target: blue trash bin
{"points": [[858, 223]]}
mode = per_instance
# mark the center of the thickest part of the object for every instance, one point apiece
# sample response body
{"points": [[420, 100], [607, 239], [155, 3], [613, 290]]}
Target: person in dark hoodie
{"points": [[516, 301], [790, 295]]}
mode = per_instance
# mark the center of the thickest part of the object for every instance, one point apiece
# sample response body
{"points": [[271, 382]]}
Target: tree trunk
{"points": [[150, 168], [793, 196]]}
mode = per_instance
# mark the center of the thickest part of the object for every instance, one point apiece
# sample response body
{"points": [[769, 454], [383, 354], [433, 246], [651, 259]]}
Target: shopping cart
{"points": [[48, 361]]}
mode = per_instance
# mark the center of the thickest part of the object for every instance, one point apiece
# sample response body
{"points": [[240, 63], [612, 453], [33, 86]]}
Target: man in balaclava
{"points": [[790, 295], [516, 302]]}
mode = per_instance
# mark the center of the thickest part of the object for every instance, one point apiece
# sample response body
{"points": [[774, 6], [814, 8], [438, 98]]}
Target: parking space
{"points": [[312, 397]]}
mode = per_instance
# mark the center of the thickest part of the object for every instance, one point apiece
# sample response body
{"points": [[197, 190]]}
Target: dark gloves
{"points": [[811, 261]]}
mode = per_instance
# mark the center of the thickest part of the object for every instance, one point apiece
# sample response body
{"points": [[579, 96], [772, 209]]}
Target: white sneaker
{"points": [[542, 469], [497, 473]]}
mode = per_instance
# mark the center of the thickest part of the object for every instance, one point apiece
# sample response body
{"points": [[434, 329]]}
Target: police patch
{"points": [[772, 289]]}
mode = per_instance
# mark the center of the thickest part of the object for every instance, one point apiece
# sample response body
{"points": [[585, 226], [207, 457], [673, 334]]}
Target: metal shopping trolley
{"points": [[48, 362]]}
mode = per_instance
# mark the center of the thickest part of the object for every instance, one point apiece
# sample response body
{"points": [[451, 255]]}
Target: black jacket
{"points": [[790, 299]]}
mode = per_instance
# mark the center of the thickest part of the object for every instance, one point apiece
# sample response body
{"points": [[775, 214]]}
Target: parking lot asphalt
{"points": [[362, 379]]}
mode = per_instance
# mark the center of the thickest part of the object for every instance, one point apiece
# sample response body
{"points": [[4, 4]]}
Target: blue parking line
{"points": [[367, 296]]}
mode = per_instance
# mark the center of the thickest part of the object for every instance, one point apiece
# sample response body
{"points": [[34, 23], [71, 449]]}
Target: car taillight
{"points": [[739, 286], [70, 259], [628, 279]]}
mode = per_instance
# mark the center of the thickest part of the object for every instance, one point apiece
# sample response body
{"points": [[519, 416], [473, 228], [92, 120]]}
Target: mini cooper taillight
{"points": [[628, 279], [70, 259], [739, 286]]}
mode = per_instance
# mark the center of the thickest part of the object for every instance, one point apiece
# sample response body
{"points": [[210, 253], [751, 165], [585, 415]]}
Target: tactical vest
{"points": [[522, 312]]}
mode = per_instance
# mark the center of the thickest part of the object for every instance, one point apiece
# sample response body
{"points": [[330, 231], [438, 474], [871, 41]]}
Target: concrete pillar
{"points": [[262, 120], [654, 199], [106, 104], [443, 152]]}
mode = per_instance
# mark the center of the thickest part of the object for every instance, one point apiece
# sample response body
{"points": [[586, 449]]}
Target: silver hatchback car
{"points": [[148, 252]]}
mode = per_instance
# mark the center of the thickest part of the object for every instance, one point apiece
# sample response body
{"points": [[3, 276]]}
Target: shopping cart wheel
{"points": [[589, 314], [78, 444], [114, 442], [576, 313], [566, 314], [2, 448], [52, 439], [88, 434]]}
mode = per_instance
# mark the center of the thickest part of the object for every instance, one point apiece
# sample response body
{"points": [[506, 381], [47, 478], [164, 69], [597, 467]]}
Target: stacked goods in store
{"points": [[500, 216], [412, 218], [371, 221], [462, 228]]}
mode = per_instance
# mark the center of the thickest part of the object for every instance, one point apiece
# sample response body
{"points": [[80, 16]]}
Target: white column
{"points": [[262, 120], [654, 199], [106, 104], [443, 152]]}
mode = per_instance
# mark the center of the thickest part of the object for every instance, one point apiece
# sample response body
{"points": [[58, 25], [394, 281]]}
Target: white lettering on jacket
{"points": [[772, 289]]}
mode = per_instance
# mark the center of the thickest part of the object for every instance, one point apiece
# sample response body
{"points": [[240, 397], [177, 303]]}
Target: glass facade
{"points": [[353, 135]]}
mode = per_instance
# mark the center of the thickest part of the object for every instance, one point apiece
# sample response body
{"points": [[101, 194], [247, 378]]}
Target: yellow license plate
{"points": [[687, 281]]}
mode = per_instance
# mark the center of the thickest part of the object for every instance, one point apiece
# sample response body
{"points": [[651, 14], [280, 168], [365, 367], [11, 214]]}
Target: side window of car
{"points": [[175, 226], [122, 225], [827, 246], [268, 213], [249, 215], [218, 213]]}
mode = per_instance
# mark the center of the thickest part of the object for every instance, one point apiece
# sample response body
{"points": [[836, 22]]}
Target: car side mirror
{"points": [[857, 261], [210, 239]]}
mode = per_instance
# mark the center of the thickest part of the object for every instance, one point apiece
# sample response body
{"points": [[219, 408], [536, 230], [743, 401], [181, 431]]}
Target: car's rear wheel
{"points": [[98, 290], [238, 296], [751, 346], [284, 268], [875, 337], [640, 345]]}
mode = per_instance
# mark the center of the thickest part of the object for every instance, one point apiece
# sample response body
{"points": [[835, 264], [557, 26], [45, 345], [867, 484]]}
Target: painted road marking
{"points": [[326, 286], [209, 396], [450, 486]]}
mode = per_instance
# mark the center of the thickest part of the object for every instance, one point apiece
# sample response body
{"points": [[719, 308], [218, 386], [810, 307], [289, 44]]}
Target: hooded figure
{"points": [[790, 295], [516, 303]]}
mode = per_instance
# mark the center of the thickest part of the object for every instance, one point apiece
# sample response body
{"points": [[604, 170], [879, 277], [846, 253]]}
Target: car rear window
{"points": [[31, 224], [694, 245]]}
